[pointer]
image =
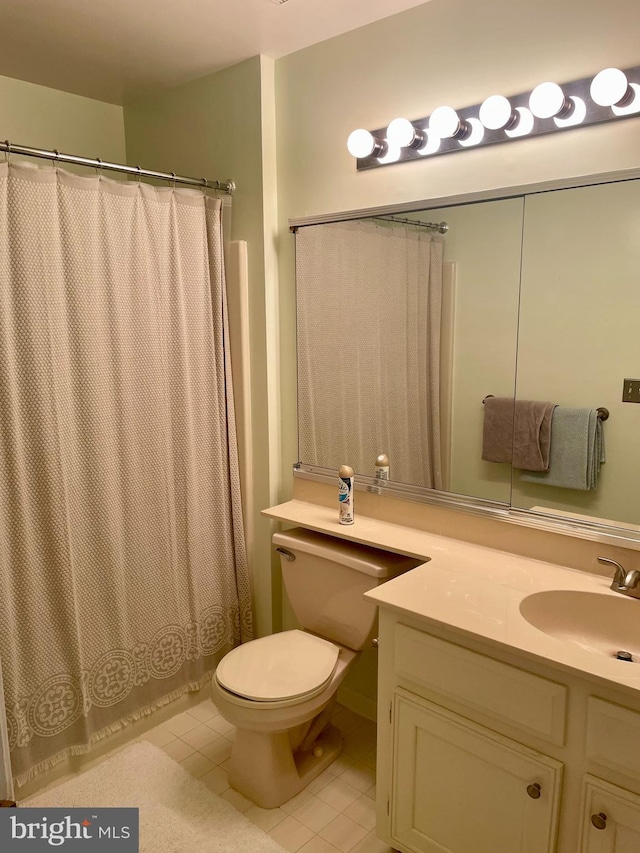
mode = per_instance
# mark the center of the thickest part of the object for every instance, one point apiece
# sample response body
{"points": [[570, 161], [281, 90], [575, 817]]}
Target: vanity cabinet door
{"points": [[610, 819], [460, 788]]}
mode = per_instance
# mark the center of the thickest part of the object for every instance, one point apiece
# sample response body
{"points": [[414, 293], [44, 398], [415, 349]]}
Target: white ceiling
{"points": [[119, 50]]}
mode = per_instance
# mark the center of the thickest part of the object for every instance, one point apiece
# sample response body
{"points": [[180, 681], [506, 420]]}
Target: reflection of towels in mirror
{"points": [[577, 450], [518, 432]]}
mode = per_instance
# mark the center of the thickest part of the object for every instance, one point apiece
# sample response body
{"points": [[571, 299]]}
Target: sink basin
{"points": [[597, 622]]}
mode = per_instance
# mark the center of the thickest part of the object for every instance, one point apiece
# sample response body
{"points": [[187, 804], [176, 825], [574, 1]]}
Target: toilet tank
{"points": [[326, 579]]}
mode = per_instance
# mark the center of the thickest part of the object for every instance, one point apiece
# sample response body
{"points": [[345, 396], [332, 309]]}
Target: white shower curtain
{"points": [[6, 777], [122, 557], [369, 310]]}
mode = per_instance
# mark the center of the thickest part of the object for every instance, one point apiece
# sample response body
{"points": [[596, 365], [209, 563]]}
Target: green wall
{"points": [[40, 117]]}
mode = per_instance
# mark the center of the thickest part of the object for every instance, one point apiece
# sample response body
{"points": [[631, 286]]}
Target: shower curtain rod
{"points": [[226, 186], [440, 227]]}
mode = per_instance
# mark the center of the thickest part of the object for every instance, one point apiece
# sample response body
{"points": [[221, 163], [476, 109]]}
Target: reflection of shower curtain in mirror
{"points": [[369, 317], [122, 561]]}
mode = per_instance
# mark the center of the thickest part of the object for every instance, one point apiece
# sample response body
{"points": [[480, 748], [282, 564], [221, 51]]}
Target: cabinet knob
{"points": [[534, 791], [599, 820]]}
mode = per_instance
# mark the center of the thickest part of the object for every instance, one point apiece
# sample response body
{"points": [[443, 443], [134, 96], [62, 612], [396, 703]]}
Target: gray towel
{"points": [[577, 450], [517, 431]]}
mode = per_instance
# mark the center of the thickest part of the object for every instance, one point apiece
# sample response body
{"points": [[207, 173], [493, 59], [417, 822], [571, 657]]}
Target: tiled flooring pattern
{"points": [[334, 814]]}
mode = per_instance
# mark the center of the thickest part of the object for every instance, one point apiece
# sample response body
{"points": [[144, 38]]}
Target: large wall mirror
{"points": [[403, 332]]}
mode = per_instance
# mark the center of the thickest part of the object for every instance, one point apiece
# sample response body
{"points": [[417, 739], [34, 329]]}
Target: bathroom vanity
{"points": [[505, 724], [484, 750]]}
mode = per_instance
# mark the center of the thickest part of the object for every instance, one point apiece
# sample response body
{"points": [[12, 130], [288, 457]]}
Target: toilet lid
{"points": [[282, 666]]}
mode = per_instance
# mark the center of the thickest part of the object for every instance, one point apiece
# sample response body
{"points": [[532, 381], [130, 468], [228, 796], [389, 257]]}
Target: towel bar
{"points": [[603, 413]]}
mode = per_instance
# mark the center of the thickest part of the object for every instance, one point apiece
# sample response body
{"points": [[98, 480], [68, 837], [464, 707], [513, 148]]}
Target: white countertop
{"points": [[475, 591]]}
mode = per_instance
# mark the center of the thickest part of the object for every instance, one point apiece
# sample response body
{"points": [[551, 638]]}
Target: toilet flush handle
{"points": [[286, 554]]}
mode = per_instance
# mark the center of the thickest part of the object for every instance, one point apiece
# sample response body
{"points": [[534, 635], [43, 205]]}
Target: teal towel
{"points": [[577, 451]]}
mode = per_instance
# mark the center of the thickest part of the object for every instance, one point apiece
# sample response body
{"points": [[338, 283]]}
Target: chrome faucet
{"points": [[627, 583], [632, 579]]}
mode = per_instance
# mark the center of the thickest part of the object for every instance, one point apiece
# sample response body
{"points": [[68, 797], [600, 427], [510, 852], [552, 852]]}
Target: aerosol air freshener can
{"points": [[345, 495], [382, 467]]}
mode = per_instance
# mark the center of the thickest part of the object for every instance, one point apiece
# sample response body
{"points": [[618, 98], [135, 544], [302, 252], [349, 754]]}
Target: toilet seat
{"points": [[283, 668]]}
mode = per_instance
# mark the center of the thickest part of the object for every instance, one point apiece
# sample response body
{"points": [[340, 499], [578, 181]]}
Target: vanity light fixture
{"points": [[362, 143], [576, 114], [432, 144], [475, 134], [610, 87], [496, 113], [402, 134], [391, 155], [609, 95], [549, 101], [524, 124], [629, 109], [446, 123]]}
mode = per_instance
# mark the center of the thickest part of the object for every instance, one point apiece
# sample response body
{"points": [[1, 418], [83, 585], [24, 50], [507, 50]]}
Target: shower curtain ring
{"points": [[139, 174], [55, 162], [7, 153], [99, 168], [205, 185], [173, 180]]}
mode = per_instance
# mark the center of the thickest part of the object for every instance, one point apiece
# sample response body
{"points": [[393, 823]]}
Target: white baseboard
{"points": [[358, 703]]}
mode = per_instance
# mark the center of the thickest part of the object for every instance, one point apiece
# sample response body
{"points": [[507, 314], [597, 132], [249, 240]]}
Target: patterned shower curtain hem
{"points": [[112, 728]]}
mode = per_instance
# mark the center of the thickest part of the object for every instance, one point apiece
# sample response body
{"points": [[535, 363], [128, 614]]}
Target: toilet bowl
{"points": [[279, 691]]}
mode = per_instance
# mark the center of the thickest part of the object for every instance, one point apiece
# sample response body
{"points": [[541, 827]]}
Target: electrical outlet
{"points": [[631, 391]]}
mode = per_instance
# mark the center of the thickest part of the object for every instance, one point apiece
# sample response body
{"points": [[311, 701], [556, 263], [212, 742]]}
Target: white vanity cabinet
{"points": [[457, 786], [611, 814], [461, 787], [610, 819], [478, 754]]}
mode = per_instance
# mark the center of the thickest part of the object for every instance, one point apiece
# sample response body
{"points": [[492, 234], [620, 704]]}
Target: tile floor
{"points": [[334, 814]]}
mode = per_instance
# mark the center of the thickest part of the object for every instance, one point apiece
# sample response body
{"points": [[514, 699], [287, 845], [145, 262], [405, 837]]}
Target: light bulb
{"points": [[431, 144], [444, 122], [610, 87], [576, 116], [402, 134], [362, 143], [390, 155], [476, 135], [548, 100], [633, 106], [496, 112], [524, 124]]}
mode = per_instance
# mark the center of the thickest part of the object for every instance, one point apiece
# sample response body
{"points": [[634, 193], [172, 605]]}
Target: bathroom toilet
{"points": [[279, 691]]}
